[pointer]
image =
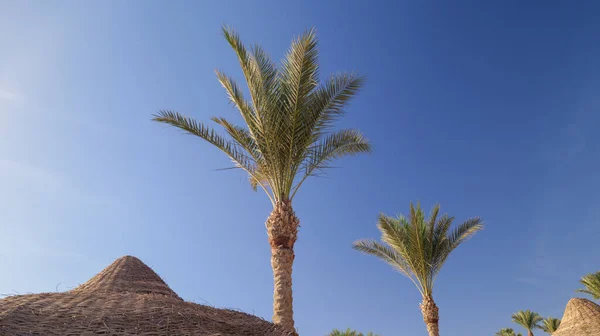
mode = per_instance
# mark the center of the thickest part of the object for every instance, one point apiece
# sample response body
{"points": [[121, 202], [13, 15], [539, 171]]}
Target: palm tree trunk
{"points": [[529, 333], [430, 315], [282, 228]]}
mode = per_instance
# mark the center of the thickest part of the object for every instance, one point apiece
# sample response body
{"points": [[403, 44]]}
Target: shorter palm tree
{"points": [[348, 332], [550, 325], [418, 247], [507, 332], [592, 285], [528, 320]]}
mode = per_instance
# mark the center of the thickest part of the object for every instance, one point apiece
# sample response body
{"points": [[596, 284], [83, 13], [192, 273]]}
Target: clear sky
{"points": [[490, 109]]}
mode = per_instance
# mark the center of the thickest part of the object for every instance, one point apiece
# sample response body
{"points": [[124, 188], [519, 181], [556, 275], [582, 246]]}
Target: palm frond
{"points": [[442, 227], [459, 235], [339, 144], [242, 137], [432, 220], [326, 103], [421, 247], [465, 231], [236, 151], [550, 324], [592, 285], [197, 128], [266, 71], [250, 71], [585, 291], [236, 97], [384, 252], [260, 74], [393, 232], [299, 72]]}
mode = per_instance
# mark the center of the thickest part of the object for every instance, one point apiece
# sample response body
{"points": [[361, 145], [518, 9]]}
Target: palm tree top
{"points": [[527, 319], [418, 246], [507, 332], [289, 118], [349, 332], [550, 324], [592, 285]]}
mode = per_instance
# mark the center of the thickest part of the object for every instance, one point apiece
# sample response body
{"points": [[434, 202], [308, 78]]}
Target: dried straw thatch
{"points": [[581, 318], [126, 298]]}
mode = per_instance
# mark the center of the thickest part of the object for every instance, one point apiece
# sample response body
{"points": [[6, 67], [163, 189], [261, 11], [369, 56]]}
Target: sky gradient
{"points": [[492, 110]]}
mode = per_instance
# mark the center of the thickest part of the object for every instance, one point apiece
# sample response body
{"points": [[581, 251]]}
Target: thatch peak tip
{"points": [[129, 257], [579, 301], [128, 274]]}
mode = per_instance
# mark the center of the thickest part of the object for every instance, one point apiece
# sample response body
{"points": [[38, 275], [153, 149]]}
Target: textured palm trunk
{"points": [[282, 228], [529, 333], [430, 315]]}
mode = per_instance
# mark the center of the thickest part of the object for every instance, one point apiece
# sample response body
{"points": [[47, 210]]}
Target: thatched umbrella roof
{"points": [[582, 317], [126, 298]]}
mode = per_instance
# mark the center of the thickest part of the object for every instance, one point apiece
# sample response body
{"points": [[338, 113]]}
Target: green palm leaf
{"points": [[592, 285], [233, 149], [550, 324], [384, 252]]}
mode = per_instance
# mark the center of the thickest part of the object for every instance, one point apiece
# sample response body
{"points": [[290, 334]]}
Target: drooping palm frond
{"points": [[507, 332], [527, 319], [289, 116], [592, 285], [550, 324], [384, 252], [417, 246]]}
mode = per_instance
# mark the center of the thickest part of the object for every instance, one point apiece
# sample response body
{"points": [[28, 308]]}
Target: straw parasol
{"points": [[126, 298], [582, 317]]}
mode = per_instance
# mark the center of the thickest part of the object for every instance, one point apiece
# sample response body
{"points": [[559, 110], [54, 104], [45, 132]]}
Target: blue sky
{"points": [[490, 109]]}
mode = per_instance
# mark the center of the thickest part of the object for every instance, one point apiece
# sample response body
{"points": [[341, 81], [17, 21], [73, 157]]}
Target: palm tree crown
{"points": [[418, 246], [288, 118], [348, 332], [592, 285], [507, 332], [527, 319], [550, 324]]}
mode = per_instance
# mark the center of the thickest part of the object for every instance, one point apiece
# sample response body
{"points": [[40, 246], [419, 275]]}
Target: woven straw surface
{"points": [[581, 318], [126, 298]]}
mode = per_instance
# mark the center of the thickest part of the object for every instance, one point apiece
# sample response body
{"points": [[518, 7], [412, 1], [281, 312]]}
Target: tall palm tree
{"points": [[592, 285], [528, 320], [507, 332], [287, 138], [550, 325], [418, 247], [348, 332]]}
